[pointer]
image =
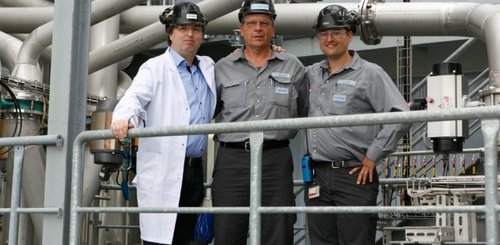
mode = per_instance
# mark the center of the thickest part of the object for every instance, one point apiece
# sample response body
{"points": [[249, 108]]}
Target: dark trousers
{"points": [[231, 188], [192, 194], [339, 188]]}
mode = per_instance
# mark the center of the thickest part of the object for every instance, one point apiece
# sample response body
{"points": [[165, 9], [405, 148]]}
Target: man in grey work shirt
{"points": [[256, 83], [344, 158]]}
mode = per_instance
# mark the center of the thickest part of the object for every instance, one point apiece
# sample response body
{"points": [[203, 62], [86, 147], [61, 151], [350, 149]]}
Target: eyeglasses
{"points": [[186, 28], [254, 23], [332, 33]]}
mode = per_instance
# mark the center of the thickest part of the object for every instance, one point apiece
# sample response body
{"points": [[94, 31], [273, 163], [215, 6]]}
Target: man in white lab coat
{"points": [[175, 88]]}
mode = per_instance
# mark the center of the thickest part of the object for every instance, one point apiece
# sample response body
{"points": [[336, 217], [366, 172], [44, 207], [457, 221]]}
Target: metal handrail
{"points": [[15, 209], [490, 127]]}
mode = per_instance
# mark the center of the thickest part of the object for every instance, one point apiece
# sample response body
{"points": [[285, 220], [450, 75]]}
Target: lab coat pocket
{"points": [[234, 93]]}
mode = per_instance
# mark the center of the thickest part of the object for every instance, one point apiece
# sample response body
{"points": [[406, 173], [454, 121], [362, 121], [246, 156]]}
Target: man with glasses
{"points": [[175, 88], [256, 83], [344, 159]]}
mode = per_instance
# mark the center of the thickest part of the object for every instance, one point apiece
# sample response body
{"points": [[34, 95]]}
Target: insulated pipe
{"points": [[24, 19], [291, 19], [9, 47], [103, 82], [436, 19], [150, 35], [25, 3], [492, 39], [42, 37], [140, 16]]}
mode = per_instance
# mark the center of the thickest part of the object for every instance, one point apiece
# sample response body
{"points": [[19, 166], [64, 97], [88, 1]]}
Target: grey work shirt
{"points": [[360, 87], [246, 93]]}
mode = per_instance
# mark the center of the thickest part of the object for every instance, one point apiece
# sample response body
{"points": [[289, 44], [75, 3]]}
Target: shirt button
{"points": [[257, 116], [258, 101], [258, 86], [315, 150]]}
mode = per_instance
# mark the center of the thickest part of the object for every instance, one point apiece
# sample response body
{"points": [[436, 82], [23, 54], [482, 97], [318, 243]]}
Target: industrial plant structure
{"points": [[65, 180]]}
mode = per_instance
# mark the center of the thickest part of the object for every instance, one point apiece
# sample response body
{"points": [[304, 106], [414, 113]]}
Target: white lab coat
{"points": [[157, 94]]}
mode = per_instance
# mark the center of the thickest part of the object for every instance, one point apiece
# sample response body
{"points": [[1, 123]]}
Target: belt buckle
{"points": [[247, 145], [342, 164]]}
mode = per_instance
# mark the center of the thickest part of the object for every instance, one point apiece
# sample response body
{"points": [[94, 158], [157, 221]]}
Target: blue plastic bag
{"points": [[204, 229]]}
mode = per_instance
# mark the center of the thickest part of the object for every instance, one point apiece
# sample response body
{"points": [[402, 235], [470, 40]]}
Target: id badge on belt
{"points": [[313, 191]]}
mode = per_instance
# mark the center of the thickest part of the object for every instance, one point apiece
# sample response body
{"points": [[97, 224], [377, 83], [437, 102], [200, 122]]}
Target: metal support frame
{"points": [[67, 85]]}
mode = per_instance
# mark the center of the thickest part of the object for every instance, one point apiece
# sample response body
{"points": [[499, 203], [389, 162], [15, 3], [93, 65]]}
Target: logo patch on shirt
{"points": [[347, 82], [280, 90], [280, 74], [339, 98]]}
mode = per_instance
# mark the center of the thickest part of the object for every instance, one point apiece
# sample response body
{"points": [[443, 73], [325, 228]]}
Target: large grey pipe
{"points": [[41, 37], [150, 35], [9, 47], [436, 19], [25, 3]]}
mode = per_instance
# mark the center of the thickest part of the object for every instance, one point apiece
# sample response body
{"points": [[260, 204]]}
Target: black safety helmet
{"points": [[257, 7], [182, 14], [336, 16]]}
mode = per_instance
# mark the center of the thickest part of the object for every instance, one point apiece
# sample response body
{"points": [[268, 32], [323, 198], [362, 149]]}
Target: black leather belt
{"points": [[335, 164], [193, 162], [268, 144]]}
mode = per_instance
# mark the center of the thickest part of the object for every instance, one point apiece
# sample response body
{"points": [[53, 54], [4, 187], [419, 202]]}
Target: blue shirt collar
{"points": [[178, 60]]}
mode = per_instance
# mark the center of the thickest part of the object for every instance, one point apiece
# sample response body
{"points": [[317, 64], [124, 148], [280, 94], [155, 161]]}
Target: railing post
{"points": [[16, 193], [490, 127], [76, 191], [256, 140]]}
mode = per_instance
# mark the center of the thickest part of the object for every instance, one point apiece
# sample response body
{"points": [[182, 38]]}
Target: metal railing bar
{"points": [[33, 140], [33, 210], [295, 209], [164, 210], [15, 200], [490, 130], [378, 209], [485, 112], [256, 145]]}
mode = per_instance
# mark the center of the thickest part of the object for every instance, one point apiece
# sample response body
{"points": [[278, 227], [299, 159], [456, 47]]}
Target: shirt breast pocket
{"points": [[283, 92], [234, 93], [340, 99]]}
